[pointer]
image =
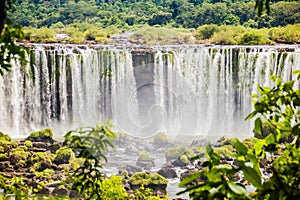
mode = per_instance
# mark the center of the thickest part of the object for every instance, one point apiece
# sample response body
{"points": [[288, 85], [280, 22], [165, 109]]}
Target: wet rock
{"points": [[39, 145], [54, 147], [45, 164], [60, 191], [44, 190], [145, 161], [35, 149], [4, 165], [167, 173], [131, 168], [74, 194]]}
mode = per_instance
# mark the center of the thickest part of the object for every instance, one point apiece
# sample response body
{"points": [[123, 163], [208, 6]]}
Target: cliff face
{"points": [[180, 90]]}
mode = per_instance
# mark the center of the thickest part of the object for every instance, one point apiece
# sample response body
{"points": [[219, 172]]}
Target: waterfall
{"points": [[181, 90]]}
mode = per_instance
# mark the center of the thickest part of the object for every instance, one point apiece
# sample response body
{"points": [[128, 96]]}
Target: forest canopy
{"points": [[170, 13]]}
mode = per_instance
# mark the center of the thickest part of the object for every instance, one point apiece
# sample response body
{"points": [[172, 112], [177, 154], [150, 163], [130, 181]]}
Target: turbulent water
{"points": [[180, 90]]}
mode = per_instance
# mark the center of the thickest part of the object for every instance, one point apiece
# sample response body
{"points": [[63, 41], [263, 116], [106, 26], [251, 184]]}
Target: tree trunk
{"points": [[2, 14]]}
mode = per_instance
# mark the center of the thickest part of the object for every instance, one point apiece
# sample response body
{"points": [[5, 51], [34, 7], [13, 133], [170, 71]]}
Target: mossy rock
{"points": [[177, 152], [63, 155], [28, 143], [146, 179], [249, 142], [144, 156], [5, 137], [6, 145], [160, 140], [184, 159], [225, 151], [3, 157], [20, 154], [45, 135], [226, 141]]}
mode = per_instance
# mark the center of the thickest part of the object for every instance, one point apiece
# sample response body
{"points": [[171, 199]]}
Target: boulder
{"points": [[45, 135], [145, 161], [167, 173], [54, 147], [4, 165], [74, 194], [39, 145], [60, 191], [131, 168]]}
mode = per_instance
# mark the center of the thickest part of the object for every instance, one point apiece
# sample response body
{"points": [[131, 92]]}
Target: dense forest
{"points": [[170, 13]]}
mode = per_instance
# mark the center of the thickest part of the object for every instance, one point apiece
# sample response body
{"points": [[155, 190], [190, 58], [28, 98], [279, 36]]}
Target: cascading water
{"points": [[181, 90]]}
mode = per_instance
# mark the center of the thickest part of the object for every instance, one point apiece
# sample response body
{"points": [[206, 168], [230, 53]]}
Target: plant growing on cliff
{"points": [[90, 143], [279, 106]]}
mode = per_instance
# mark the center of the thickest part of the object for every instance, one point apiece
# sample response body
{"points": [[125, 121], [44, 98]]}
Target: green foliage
{"points": [[249, 142], [267, 128], [219, 183], [42, 35], [145, 193], [288, 34], [9, 50], [91, 144], [112, 188], [153, 35], [279, 105], [145, 179], [254, 37], [206, 31], [15, 186], [177, 152], [228, 35]]}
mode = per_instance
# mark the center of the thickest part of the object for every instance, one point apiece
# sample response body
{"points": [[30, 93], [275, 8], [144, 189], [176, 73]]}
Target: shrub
{"points": [[113, 188], [42, 35], [152, 36], [228, 35], [92, 34], [91, 144], [206, 31], [254, 37]]}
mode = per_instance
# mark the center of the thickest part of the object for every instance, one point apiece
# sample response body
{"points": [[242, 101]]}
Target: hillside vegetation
{"points": [[85, 20]]}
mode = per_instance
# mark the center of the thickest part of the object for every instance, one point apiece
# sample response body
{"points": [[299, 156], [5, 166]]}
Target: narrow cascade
{"points": [[181, 90]]}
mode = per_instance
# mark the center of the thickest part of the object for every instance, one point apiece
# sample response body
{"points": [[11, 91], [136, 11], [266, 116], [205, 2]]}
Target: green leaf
{"points": [[240, 147], [237, 189], [253, 176], [258, 126], [190, 179], [251, 115]]}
